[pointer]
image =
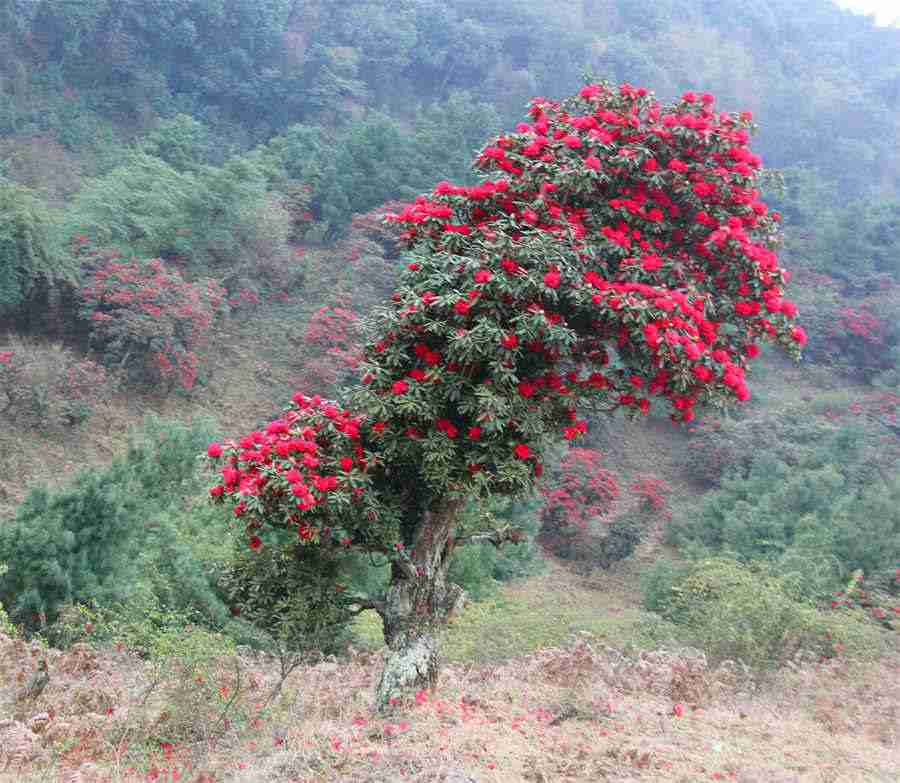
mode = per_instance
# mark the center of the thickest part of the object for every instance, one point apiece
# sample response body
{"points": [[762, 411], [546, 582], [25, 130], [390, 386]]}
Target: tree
{"points": [[615, 256], [30, 262]]}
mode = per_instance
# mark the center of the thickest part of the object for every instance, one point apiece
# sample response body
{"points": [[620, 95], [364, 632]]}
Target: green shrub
{"points": [[375, 159], [480, 568], [220, 221], [658, 582], [293, 594], [113, 530], [734, 611], [6, 627], [30, 259], [182, 141], [816, 507]]}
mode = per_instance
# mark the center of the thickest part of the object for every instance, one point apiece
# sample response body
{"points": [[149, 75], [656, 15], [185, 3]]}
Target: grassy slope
{"points": [[580, 711]]}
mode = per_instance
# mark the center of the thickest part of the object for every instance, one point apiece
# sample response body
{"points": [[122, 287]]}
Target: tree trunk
{"points": [[417, 606]]}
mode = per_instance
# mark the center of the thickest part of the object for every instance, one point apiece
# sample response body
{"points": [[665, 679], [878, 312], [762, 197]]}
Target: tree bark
{"points": [[418, 603]]}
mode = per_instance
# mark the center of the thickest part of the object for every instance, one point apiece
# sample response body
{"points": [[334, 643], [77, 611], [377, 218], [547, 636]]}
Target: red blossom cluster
{"points": [[305, 464], [860, 339], [371, 225], [680, 232], [861, 323], [146, 312], [245, 298]]}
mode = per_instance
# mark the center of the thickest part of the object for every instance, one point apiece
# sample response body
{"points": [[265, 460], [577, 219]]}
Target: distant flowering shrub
{"points": [[654, 496], [576, 522], [148, 320], [330, 346], [583, 491], [48, 384], [861, 338], [881, 605]]}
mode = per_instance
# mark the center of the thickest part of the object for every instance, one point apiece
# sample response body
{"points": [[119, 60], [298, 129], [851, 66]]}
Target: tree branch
{"points": [[499, 537]]}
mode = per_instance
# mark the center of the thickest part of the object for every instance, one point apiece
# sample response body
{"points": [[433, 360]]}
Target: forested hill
{"points": [[227, 136], [825, 83]]}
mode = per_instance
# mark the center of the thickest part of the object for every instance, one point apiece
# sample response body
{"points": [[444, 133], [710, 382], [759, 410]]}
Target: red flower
{"points": [[552, 279], [798, 334], [651, 262], [379, 426], [592, 162], [483, 276], [444, 425], [462, 307], [255, 542], [510, 266], [400, 387], [474, 433], [347, 464], [214, 450], [522, 451], [702, 373], [509, 341], [326, 483]]}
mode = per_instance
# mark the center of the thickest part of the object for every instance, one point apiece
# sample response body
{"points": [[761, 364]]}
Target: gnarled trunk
{"points": [[418, 603]]}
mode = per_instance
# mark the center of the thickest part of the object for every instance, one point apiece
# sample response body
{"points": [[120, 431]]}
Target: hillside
{"points": [[193, 202], [576, 709]]}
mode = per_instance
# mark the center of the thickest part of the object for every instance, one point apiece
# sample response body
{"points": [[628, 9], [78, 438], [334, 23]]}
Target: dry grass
{"points": [[578, 712]]}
